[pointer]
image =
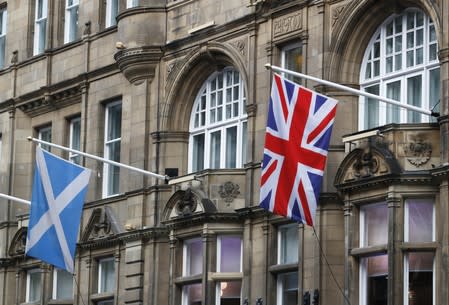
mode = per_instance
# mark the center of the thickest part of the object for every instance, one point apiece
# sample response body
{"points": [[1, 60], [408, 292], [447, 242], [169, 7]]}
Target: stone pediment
{"points": [[102, 224], [18, 242], [362, 165]]}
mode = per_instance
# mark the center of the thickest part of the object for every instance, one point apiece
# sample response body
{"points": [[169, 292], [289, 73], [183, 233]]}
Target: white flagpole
{"points": [[355, 91], [14, 198], [132, 168]]}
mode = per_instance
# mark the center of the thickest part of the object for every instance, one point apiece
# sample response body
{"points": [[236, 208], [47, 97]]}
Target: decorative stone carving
{"points": [[366, 164], [240, 45], [17, 246], [102, 223], [229, 191], [336, 13], [287, 24], [187, 205], [418, 152]]}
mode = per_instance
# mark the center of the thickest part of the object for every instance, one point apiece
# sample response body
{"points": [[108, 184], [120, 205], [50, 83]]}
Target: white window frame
{"points": [[110, 14], [72, 122], [55, 284], [100, 277], [38, 23], [40, 136], [239, 121], [284, 50], [3, 31], [406, 279], [218, 290], [402, 74], [71, 25], [280, 241], [132, 3], [363, 274], [186, 255], [219, 251], [280, 288], [106, 167], [406, 222], [28, 283]]}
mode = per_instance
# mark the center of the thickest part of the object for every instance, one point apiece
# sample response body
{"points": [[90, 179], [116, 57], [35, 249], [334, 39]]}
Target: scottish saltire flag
{"points": [[299, 127], [57, 200]]}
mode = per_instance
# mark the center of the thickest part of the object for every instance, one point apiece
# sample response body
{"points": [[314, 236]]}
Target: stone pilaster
{"points": [[394, 255]]}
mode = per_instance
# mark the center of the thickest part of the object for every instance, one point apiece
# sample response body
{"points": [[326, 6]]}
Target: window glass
{"points": [[374, 220], [192, 294], [193, 257], [420, 278], [62, 285], [40, 26], [71, 20], [228, 293], [33, 291], [288, 288], [106, 275], [218, 123], [132, 3], [112, 148], [434, 91], [292, 59], [230, 251], [44, 134], [399, 62], [111, 12], [288, 244], [419, 220], [75, 139], [3, 18], [375, 279]]}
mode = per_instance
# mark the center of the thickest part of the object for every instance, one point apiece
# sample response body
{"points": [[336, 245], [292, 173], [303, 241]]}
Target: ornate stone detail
{"points": [[336, 14], [102, 223], [187, 204], [17, 246], [418, 152], [229, 191], [240, 45], [287, 24], [366, 164]]}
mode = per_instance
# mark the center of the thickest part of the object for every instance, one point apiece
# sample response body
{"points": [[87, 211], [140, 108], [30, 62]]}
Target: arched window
{"points": [[218, 123], [400, 63]]}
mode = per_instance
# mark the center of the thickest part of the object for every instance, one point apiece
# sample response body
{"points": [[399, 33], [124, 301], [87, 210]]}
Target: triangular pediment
{"points": [[102, 224]]}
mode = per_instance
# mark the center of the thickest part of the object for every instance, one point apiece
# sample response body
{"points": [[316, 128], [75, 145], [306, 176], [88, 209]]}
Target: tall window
{"points": [[3, 18], [292, 59], [400, 63], [229, 259], [287, 254], [106, 275], [75, 139], [44, 134], [218, 124], [192, 266], [40, 26], [373, 268], [112, 139], [419, 266], [33, 286], [71, 20], [132, 3], [111, 12], [62, 285]]}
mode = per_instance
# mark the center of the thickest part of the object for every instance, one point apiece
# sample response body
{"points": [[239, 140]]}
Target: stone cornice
{"points": [[201, 218]]}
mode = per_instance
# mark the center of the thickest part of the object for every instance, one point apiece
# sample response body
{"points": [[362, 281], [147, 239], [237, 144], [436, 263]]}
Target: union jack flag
{"points": [[298, 132]]}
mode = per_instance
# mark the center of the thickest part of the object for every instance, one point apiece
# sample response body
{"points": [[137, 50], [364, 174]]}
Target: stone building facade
{"points": [[179, 87]]}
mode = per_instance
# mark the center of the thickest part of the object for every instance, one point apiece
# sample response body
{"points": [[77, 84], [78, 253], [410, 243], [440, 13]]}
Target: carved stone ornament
{"points": [[102, 223], [229, 191], [18, 243], [366, 164], [240, 45], [187, 205], [336, 13], [418, 152]]}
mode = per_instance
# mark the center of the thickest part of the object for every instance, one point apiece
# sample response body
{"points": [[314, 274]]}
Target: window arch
{"points": [[218, 123], [400, 63]]}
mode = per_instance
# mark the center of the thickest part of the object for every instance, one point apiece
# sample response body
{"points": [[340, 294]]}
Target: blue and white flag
{"points": [[59, 189]]}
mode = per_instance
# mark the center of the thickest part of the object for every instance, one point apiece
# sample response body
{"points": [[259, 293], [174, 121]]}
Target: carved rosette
{"points": [[418, 152], [229, 191]]}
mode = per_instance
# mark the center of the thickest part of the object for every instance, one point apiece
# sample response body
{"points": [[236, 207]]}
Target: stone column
{"points": [[394, 255]]}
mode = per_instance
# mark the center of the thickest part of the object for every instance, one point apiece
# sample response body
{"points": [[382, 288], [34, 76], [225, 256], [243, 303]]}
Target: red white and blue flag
{"points": [[299, 127]]}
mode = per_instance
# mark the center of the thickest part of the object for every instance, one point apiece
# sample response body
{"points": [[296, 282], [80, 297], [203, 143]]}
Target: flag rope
{"points": [[355, 91], [132, 168], [78, 289], [348, 302]]}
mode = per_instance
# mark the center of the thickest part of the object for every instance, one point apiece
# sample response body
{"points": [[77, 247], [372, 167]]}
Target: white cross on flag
{"points": [[59, 189]]}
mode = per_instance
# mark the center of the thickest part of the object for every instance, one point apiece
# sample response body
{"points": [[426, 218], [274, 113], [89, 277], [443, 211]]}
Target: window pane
{"points": [[215, 149], [393, 92], [230, 292], [375, 220], [376, 279], [420, 220], [230, 253], [231, 147], [420, 278], [434, 90], [193, 257], [414, 97], [288, 244], [73, 27], [45, 135], [107, 275], [34, 286], [42, 29], [372, 108], [64, 285], [112, 170], [292, 59], [192, 294], [114, 121], [244, 141], [198, 153], [288, 288]]}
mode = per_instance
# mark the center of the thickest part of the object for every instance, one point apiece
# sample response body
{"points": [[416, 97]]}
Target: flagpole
{"points": [[132, 168], [355, 91], [14, 198]]}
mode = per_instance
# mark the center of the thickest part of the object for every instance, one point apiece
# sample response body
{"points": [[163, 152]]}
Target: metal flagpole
{"points": [[14, 198], [132, 168], [355, 91]]}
